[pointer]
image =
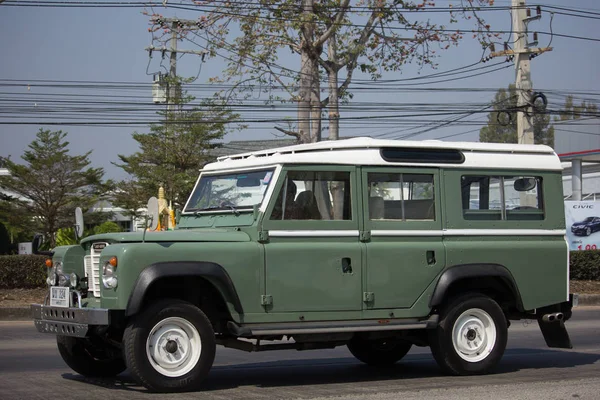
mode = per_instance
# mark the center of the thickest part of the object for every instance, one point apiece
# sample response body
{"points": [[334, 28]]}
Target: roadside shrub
{"points": [[22, 271], [107, 227], [585, 265]]}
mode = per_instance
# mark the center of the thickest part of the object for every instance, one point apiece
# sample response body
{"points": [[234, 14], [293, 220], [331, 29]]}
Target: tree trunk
{"points": [[315, 102], [332, 73], [306, 76]]}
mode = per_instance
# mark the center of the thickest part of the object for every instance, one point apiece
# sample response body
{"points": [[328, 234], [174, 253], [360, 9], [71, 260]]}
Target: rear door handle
{"points": [[346, 265]]}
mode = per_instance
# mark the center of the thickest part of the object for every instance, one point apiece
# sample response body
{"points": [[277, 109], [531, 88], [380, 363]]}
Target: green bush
{"points": [[28, 271], [585, 265], [107, 227], [22, 271]]}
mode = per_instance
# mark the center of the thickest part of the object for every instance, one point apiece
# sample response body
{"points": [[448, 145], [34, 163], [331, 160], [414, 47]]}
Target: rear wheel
{"points": [[471, 337], [170, 347], [378, 352], [87, 359]]}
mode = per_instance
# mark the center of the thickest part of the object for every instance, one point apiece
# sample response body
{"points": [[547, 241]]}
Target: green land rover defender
{"points": [[372, 244]]}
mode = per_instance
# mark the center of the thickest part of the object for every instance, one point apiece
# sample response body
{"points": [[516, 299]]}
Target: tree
{"points": [[51, 183], [107, 227], [571, 111], [5, 242], [17, 221], [366, 35], [502, 121], [171, 155]]}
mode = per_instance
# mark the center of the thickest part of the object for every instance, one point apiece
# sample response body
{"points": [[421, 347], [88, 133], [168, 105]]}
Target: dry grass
{"points": [[21, 297]]}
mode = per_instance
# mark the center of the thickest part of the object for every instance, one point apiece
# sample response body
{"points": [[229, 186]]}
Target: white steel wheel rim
{"points": [[173, 347], [474, 335]]}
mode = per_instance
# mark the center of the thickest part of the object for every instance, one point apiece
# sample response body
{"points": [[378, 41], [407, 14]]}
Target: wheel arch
{"points": [[207, 275], [494, 278]]}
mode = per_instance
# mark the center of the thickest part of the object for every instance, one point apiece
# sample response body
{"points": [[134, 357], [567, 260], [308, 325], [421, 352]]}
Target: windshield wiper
{"points": [[221, 207]]}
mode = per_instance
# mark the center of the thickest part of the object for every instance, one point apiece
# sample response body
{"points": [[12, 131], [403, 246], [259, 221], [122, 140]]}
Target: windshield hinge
{"points": [[263, 236]]}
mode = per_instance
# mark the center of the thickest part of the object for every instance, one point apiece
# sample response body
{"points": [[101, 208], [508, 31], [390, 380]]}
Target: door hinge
{"points": [[365, 236], [266, 300], [263, 236], [368, 297]]}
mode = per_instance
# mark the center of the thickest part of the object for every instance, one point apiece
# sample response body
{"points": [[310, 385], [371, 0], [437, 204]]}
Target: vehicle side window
{"points": [[403, 197], [314, 195], [495, 198]]}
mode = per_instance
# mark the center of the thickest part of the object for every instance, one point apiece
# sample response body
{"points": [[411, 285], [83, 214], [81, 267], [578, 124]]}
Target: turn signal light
{"points": [[113, 261], [49, 263]]}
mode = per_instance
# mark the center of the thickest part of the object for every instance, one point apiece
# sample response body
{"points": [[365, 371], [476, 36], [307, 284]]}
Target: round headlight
{"points": [[58, 266], [108, 276], [63, 280], [51, 280], [74, 280]]}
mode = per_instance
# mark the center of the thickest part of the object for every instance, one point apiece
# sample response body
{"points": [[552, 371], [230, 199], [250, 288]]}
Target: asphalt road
{"points": [[31, 368]]}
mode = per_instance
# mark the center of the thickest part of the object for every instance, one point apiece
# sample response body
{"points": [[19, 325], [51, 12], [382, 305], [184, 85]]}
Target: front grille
{"points": [[92, 268]]}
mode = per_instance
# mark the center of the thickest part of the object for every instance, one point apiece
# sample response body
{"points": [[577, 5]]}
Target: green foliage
{"points": [[22, 271], [585, 265], [65, 237], [107, 227], [51, 183], [171, 155], [4, 240], [506, 132], [17, 221]]}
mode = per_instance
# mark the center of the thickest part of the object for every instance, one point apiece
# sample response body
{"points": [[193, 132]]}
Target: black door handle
{"points": [[346, 265], [430, 257]]}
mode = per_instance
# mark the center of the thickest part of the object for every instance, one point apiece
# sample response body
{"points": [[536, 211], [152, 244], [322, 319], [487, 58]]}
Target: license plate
{"points": [[59, 296]]}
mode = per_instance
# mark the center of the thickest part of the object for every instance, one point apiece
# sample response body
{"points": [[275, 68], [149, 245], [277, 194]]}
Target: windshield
{"points": [[232, 191]]}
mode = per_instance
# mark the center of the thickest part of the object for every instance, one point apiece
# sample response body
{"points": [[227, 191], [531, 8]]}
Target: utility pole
{"points": [[174, 24], [173, 85], [522, 54]]}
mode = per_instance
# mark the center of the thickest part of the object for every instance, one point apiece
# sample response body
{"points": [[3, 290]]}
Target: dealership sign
{"points": [[583, 224]]}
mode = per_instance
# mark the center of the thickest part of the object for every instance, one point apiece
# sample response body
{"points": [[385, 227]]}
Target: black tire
{"points": [[88, 360], [588, 231], [154, 321], [482, 350], [378, 352]]}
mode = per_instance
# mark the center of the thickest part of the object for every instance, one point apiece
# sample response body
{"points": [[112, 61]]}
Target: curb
{"points": [[589, 299], [15, 314], [24, 313]]}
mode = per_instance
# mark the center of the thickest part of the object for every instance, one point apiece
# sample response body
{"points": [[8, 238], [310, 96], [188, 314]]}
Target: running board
{"points": [[308, 328]]}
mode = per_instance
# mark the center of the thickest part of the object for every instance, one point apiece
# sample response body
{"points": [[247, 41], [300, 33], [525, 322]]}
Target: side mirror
{"points": [[78, 223], [36, 243], [525, 184], [153, 215]]}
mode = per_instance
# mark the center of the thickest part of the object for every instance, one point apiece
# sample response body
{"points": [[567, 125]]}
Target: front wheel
{"points": [[88, 359], [378, 352], [170, 347], [471, 337]]}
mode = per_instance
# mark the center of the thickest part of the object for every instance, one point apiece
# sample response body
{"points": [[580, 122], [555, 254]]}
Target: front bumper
{"points": [[68, 321]]}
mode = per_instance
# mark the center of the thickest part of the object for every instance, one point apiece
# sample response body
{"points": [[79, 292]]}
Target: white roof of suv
{"points": [[367, 151]]}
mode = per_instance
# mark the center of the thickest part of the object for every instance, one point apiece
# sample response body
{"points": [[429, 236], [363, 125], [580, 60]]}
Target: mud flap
{"points": [[555, 334]]}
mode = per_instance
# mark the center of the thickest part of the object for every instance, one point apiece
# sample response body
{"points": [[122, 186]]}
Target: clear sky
{"points": [[107, 45]]}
